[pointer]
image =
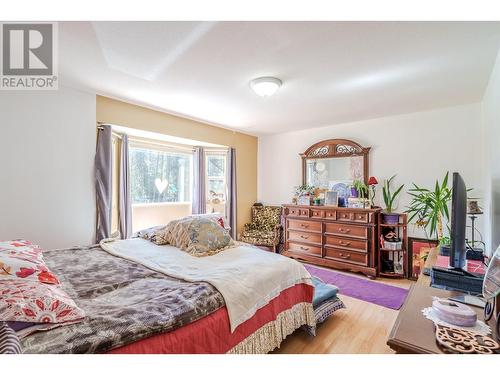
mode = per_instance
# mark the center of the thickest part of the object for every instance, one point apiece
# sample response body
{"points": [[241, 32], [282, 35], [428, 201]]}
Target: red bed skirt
{"points": [[211, 334]]}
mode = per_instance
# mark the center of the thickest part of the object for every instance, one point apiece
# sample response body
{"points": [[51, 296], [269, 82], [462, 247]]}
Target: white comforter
{"points": [[247, 277]]}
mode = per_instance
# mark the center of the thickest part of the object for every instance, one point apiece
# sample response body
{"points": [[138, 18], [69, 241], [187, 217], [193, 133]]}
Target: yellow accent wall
{"points": [[120, 113]]}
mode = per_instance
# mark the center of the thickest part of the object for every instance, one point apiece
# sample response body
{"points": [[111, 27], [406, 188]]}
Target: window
{"points": [[216, 180], [158, 175]]}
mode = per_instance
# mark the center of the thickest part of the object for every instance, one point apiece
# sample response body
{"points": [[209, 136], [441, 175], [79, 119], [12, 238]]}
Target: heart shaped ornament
{"points": [[161, 184]]}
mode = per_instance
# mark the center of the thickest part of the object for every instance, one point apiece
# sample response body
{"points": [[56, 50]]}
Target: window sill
{"points": [[160, 204]]}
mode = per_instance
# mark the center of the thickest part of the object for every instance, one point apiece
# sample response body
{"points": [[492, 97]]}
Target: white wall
{"points": [[491, 128], [47, 147], [418, 147]]}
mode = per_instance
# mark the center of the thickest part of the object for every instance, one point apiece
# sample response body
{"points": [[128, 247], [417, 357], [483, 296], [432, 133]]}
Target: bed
{"points": [[132, 306]]}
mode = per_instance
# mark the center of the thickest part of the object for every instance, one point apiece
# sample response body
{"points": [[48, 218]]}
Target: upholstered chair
{"points": [[265, 228]]}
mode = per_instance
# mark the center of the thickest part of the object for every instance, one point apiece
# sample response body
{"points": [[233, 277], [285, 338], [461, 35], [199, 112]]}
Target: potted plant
{"points": [[430, 207], [388, 216], [304, 193], [359, 188]]}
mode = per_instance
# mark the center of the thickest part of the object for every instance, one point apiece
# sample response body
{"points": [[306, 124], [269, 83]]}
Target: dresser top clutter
{"points": [[332, 221]]}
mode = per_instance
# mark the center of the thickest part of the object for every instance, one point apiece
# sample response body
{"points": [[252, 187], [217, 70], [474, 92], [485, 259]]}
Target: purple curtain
{"points": [[199, 205], [103, 180], [231, 203], [125, 202]]}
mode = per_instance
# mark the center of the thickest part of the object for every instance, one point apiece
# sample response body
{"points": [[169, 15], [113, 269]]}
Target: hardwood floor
{"points": [[361, 327]]}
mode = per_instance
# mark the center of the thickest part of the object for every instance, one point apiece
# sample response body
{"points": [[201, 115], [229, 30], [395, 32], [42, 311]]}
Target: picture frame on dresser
{"points": [[418, 249]]}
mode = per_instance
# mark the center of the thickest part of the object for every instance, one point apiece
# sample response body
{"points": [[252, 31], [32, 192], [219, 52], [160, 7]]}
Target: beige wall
{"points": [[125, 114]]}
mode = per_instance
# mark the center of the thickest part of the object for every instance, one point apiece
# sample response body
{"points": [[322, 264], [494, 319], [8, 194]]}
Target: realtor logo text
{"points": [[29, 59]]}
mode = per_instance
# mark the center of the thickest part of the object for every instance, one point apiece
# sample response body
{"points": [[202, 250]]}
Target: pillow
{"points": [[22, 260], [197, 236], [219, 218], [28, 301]]}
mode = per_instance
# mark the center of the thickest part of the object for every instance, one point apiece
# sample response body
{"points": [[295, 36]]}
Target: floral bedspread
{"points": [[123, 301]]}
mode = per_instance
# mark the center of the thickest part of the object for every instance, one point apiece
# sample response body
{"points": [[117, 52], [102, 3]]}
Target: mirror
{"points": [[327, 172], [335, 163]]}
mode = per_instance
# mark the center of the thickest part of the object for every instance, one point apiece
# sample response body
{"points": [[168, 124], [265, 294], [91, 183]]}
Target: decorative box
{"points": [[304, 200]]}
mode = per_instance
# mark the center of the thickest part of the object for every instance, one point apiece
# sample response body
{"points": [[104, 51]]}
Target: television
{"points": [[456, 277], [458, 222]]}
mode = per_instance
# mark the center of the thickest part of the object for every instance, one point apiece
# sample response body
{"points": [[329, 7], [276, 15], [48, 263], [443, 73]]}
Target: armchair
{"points": [[265, 228]]}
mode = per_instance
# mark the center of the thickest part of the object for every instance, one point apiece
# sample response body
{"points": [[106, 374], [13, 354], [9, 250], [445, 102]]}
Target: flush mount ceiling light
{"points": [[265, 86]]}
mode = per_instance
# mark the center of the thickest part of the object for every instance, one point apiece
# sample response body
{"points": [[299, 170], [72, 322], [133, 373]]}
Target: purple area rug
{"points": [[365, 290]]}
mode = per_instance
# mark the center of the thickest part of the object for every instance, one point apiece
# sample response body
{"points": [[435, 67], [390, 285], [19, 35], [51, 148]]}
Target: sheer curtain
{"points": [[231, 201], [199, 205]]}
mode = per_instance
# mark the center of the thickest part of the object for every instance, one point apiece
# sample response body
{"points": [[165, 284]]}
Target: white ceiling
{"points": [[332, 72]]}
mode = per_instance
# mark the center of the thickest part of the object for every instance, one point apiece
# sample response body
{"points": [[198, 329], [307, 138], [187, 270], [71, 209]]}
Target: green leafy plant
{"points": [[390, 197], [361, 188], [429, 207], [304, 189]]}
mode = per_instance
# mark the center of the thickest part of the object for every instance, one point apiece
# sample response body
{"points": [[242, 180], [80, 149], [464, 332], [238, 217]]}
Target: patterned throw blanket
{"points": [[123, 300]]}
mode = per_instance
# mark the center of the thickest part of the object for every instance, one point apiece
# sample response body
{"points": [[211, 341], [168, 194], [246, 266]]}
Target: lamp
{"points": [[473, 210], [372, 181], [265, 86]]}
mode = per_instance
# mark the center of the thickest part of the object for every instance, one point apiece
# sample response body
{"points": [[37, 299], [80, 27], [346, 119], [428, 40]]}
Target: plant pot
{"points": [[390, 218], [444, 250], [354, 192]]}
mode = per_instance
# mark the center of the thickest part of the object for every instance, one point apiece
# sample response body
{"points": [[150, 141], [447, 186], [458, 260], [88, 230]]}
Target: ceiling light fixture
{"points": [[265, 86]]}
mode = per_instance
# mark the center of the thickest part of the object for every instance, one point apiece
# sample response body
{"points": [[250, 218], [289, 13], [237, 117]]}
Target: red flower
{"points": [[25, 272], [40, 304], [47, 277]]}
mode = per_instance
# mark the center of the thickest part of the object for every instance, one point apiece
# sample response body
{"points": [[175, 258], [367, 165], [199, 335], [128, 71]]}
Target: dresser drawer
{"points": [[346, 230], [360, 217], [331, 215], [305, 249], [346, 256], [298, 211], [306, 237], [346, 243], [344, 215], [319, 214], [304, 225]]}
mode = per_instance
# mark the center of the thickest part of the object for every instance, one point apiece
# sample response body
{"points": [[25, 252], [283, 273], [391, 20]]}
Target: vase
{"points": [[390, 218]]}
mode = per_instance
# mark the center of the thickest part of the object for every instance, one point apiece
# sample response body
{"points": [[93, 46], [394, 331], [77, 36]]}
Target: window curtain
{"points": [[125, 203], [231, 204], [199, 205], [103, 179]]}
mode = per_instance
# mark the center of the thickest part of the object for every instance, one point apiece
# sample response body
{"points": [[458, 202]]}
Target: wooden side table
{"points": [[413, 332]]}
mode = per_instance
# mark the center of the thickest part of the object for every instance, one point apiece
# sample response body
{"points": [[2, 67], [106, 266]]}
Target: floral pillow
{"points": [[25, 301], [197, 236], [23, 260]]}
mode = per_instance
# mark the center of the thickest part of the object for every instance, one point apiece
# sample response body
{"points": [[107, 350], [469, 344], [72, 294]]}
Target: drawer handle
{"points": [[342, 243], [361, 217], [345, 256], [344, 230], [304, 225], [304, 237], [304, 248]]}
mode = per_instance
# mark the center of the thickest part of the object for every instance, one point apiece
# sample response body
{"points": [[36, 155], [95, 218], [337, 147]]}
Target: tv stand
{"points": [[456, 279]]}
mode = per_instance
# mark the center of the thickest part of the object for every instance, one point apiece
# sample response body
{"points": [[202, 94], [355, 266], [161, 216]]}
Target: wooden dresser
{"points": [[336, 237]]}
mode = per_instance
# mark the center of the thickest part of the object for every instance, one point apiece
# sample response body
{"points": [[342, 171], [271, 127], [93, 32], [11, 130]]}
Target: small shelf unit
{"points": [[393, 263]]}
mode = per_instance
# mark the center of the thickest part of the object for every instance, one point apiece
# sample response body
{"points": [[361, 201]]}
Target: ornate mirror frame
{"points": [[336, 148]]}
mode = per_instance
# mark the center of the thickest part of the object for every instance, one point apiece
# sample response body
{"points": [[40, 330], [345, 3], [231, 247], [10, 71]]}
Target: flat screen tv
{"points": [[458, 222]]}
